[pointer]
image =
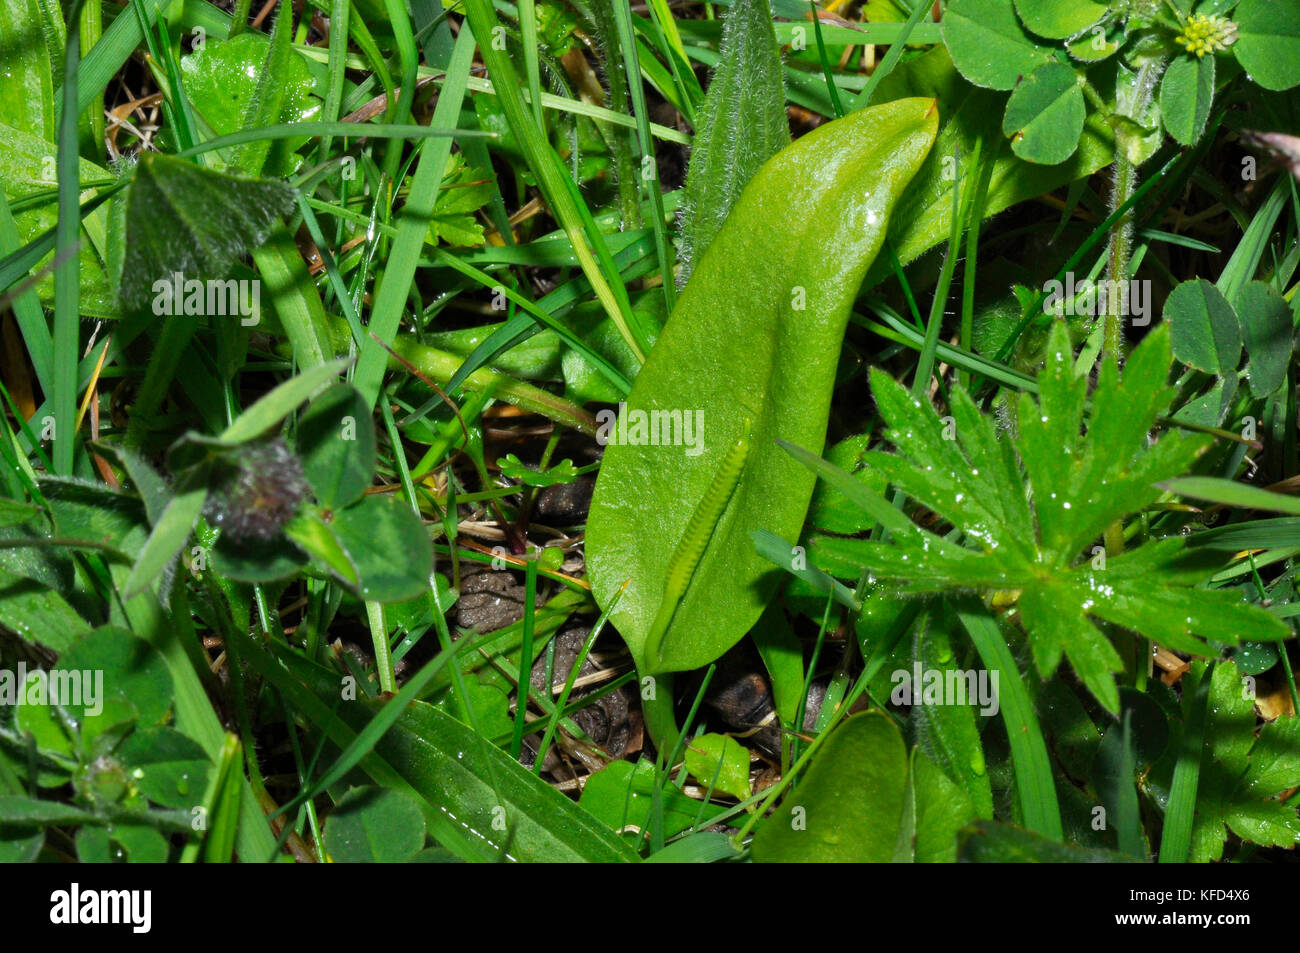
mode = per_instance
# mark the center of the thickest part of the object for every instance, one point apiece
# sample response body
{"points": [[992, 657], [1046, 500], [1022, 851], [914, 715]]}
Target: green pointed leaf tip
{"points": [[741, 125], [187, 220], [762, 346], [1033, 509]]}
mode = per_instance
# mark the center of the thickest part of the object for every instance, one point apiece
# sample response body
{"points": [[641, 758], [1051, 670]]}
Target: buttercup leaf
{"points": [[1033, 509]]}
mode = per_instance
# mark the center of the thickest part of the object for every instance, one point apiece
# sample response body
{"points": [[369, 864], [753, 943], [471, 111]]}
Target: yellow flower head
{"points": [[1206, 34]]}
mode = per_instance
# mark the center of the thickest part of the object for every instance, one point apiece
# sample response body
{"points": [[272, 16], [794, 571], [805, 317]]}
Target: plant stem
{"points": [[1121, 241], [1132, 104]]}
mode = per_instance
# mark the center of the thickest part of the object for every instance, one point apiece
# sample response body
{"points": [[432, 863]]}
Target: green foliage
{"points": [[969, 115], [989, 842], [1059, 19], [864, 800], [1243, 770], [183, 218], [255, 492], [622, 795], [374, 825], [741, 125], [989, 44], [25, 46], [223, 82], [336, 442], [562, 472], [1011, 45], [820, 822], [1268, 42], [1186, 95], [464, 191], [947, 736], [27, 172], [1079, 483], [835, 190], [506, 811], [1204, 329], [1208, 332], [492, 212], [719, 762], [352, 535], [1045, 115]]}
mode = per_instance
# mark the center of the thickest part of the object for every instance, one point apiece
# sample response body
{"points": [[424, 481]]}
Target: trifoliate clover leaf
{"points": [[1031, 512], [182, 219]]}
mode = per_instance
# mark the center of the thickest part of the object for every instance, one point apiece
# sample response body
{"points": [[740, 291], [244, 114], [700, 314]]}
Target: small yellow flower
{"points": [[1206, 34]]}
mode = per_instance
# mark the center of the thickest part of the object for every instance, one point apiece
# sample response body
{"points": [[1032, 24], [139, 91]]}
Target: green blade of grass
{"points": [[336, 79], [1232, 493], [897, 46], [961, 204], [294, 295], [832, 90], [528, 40], [1180, 814], [1038, 803], [294, 130], [27, 308], [627, 40], [413, 226], [557, 187], [1250, 251], [897, 330], [67, 273], [409, 60]]}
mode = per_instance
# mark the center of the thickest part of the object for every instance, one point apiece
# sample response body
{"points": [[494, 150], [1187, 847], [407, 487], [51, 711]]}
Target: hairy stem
{"points": [[1119, 254], [1133, 99]]}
